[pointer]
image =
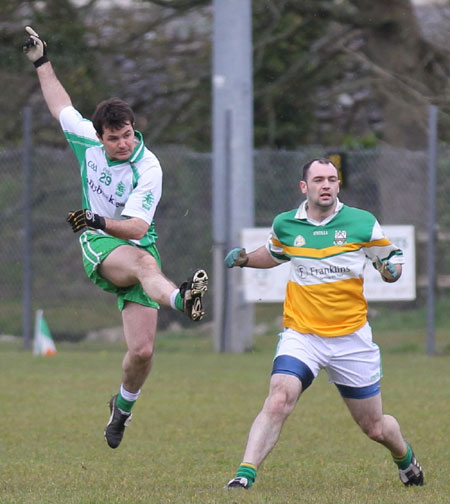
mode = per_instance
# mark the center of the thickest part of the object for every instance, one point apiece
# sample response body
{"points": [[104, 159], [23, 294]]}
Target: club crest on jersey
{"points": [[340, 237], [120, 189], [299, 241], [147, 200]]}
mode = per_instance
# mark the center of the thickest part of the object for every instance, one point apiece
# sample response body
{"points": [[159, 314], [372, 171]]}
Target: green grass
{"points": [[190, 428], [393, 329]]}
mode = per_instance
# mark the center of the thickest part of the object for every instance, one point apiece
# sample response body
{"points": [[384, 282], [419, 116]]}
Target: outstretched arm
{"points": [[55, 96], [389, 272], [259, 258]]}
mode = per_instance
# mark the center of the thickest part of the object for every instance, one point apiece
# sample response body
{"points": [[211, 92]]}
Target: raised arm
{"points": [[55, 96]]}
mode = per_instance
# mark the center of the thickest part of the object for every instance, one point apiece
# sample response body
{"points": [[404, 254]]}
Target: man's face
{"points": [[321, 186], [119, 144]]}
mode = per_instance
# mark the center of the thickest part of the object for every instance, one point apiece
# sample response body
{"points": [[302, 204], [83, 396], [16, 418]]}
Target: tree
{"points": [[324, 70], [408, 72], [69, 49], [349, 68]]}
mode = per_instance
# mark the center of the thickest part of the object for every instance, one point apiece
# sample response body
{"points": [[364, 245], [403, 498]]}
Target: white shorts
{"points": [[352, 360]]}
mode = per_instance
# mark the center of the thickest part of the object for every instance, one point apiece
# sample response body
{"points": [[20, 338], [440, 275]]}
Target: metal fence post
{"points": [[432, 228], [233, 186], [27, 239]]}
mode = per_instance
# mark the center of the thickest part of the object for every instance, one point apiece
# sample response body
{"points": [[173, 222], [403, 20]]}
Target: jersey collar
{"points": [[302, 215], [139, 149]]}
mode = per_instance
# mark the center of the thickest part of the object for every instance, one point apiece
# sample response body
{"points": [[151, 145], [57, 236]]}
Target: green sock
{"points": [[123, 404], [248, 471], [179, 302], [403, 462]]}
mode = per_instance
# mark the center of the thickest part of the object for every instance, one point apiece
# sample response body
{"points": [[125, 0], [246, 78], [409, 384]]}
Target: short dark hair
{"points": [[307, 166], [113, 113]]}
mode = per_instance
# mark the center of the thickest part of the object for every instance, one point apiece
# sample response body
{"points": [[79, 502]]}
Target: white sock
{"points": [[172, 298], [128, 396]]}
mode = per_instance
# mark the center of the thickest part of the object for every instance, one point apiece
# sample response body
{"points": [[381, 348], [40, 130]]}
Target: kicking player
{"points": [[121, 188], [325, 317]]}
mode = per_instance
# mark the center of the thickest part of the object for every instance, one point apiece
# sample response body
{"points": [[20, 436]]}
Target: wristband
{"points": [[101, 222], [43, 59], [94, 220], [244, 263]]}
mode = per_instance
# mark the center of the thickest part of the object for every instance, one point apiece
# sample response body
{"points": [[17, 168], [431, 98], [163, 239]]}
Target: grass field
{"points": [[191, 423]]}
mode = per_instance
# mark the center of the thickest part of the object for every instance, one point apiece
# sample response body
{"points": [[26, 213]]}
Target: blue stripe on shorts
{"points": [[285, 364], [359, 392]]}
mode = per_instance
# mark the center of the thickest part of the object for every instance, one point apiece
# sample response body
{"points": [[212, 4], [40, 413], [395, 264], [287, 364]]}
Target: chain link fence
{"points": [[392, 183]]}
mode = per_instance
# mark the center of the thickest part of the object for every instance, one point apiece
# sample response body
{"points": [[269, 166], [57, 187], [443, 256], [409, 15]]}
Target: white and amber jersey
{"points": [[324, 294], [115, 189]]}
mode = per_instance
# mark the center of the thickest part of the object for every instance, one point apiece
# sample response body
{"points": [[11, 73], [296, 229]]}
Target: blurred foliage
{"points": [[368, 141], [62, 26], [277, 102], [324, 70]]}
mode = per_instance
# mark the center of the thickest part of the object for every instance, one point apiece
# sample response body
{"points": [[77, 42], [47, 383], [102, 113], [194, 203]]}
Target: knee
{"points": [[374, 430], [146, 262], [280, 403], [143, 354]]}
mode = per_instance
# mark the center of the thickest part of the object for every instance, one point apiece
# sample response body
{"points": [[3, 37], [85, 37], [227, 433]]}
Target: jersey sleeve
{"points": [[382, 247], [145, 197], [274, 245], [79, 132]]}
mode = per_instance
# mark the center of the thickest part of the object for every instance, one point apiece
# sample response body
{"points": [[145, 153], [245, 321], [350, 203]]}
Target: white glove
{"points": [[35, 48], [386, 269]]}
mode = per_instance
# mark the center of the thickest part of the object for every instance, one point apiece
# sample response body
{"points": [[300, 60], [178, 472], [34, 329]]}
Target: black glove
{"points": [[35, 48], [85, 218]]}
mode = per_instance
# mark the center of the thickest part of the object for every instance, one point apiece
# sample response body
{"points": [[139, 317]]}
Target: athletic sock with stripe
{"points": [[125, 400], [247, 470], [404, 461]]}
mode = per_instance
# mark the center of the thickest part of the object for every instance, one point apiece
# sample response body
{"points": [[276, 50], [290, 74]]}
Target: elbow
{"points": [[128, 229], [138, 236], [140, 231]]}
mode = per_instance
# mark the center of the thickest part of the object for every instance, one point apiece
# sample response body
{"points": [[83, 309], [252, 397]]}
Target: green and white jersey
{"points": [[115, 189], [324, 294]]}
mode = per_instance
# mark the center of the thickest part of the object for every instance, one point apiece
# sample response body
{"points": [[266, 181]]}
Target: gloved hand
{"points": [[35, 48], [236, 257], [85, 218], [386, 269]]}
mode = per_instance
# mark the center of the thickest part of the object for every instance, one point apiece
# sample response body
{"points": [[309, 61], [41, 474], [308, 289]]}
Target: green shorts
{"points": [[96, 248]]}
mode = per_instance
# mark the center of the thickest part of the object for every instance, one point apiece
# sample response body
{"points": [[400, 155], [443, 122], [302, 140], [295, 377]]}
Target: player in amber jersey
{"points": [[325, 317]]}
